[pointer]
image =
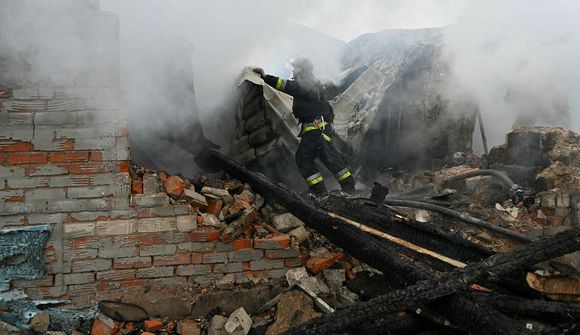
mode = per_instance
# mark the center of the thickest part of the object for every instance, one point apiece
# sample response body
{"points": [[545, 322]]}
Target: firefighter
{"points": [[313, 111]]}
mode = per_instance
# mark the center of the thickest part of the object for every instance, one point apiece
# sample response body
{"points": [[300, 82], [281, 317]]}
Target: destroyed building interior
{"points": [[109, 225]]}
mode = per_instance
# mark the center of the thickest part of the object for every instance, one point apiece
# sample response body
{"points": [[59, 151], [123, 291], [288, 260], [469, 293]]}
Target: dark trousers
{"points": [[313, 145]]}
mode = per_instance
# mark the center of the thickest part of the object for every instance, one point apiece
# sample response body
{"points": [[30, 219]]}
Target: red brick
{"points": [[196, 258], [279, 242], [15, 146], [214, 206], [136, 185], [96, 156], [246, 266], [69, 156], [242, 244], [318, 264], [27, 158], [177, 259], [116, 275], [153, 325], [89, 168], [174, 186], [205, 236], [103, 325], [124, 166], [1, 158], [131, 263]]}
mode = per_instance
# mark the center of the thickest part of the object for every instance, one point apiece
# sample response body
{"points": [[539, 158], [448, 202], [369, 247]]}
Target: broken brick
{"points": [[153, 325], [319, 264], [174, 186], [214, 205]]}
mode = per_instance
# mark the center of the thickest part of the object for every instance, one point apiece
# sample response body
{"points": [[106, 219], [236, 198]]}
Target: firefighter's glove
{"points": [[260, 72]]}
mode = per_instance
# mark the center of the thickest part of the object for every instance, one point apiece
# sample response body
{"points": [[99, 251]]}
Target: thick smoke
{"points": [[519, 60]]}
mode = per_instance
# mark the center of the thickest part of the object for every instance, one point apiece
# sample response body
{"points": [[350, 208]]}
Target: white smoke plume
{"points": [[520, 61]]}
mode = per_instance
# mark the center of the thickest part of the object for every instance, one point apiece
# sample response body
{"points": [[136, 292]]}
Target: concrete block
{"points": [[24, 106], [193, 270], [186, 222], [118, 248], [77, 205], [286, 222], [155, 272], [27, 182], [116, 227], [65, 105], [299, 234], [197, 246], [74, 230], [228, 267], [158, 250], [100, 118], [29, 206], [245, 255], [282, 253], [335, 278], [116, 275], [45, 194], [196, 199], [239, 322], [268, 264], [295, 276], [218, 192], [45, 218], [95, 143], [16, 133], [48, 170], [151, 200], [131, 262], [152, 225], [151, 184], [25, 93], [12, 171], [69, 180], [90, 192], [87, 265], [78, 278], [221, 257], [55, 118], [277, 274], [118, 179]]}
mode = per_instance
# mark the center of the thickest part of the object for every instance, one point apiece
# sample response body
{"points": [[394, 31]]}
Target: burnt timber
{"points": [[460, 310]]}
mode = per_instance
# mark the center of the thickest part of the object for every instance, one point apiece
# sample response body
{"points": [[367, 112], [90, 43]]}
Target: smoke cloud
{"points": [[519, 60]]}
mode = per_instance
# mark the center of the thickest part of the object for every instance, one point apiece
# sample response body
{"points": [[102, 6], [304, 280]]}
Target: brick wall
{"points": [[64, 161]]}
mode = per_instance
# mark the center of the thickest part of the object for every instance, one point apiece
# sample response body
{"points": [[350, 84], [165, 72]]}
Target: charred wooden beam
{"points": [[477, 318], [536, 308], [428, 236], [430, 290]]}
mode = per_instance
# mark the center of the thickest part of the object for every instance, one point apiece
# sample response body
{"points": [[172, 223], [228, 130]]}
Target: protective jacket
{"points": [[309, 99], [315, 114]]}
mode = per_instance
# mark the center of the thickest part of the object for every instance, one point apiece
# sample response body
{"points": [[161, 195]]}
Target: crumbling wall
{"points": [[65, 161], [548, 161]]}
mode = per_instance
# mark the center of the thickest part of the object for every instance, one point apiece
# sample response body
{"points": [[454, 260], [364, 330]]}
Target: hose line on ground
{"points": [[458, 215]]}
